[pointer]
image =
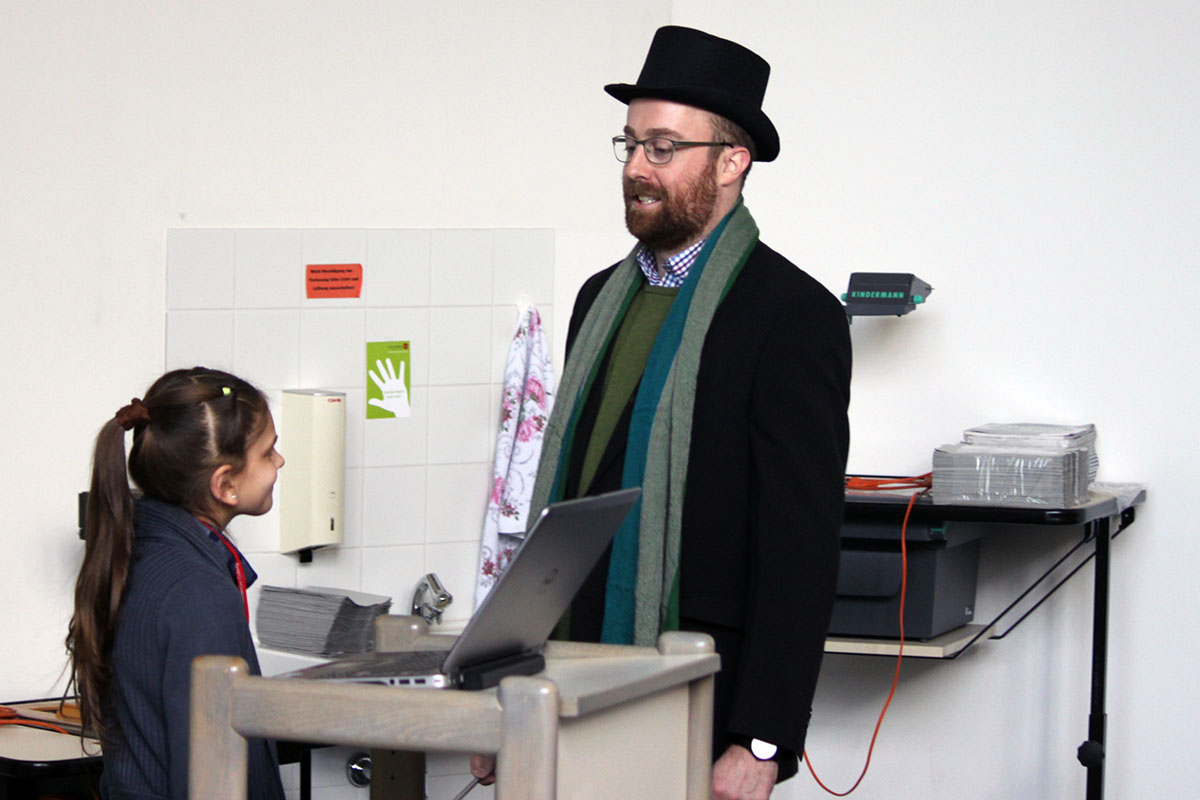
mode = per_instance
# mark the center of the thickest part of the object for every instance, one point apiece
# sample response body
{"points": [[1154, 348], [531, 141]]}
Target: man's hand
{"points": [[395, 393], [484, 768], [737, 775]]}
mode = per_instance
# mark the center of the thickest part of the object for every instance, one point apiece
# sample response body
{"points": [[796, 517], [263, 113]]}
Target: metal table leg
{"points": [[1091, 752]]}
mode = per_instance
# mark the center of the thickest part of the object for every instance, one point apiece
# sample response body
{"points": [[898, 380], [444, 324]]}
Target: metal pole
{"points": [[1091, 752]]}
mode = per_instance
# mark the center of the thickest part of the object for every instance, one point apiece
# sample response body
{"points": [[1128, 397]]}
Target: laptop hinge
{"points": [[488, 674]]}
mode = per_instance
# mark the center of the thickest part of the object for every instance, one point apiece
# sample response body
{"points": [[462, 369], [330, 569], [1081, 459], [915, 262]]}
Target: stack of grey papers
{"points": [[1039, 436], [318, 620], [1017, 464]]}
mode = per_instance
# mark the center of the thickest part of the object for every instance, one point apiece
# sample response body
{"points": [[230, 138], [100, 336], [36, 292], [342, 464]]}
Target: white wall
{"points": [[125, 119], [1034, 161], [417, 486]]}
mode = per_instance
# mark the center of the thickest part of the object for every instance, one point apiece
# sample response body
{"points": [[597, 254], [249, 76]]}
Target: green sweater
{"points": [[630, 351]]}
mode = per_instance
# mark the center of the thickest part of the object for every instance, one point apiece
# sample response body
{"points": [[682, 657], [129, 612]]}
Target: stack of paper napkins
{"points": [[1017, 464], [318, 620]]}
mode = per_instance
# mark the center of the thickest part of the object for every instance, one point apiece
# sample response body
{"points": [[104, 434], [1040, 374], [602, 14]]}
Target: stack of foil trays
{"points": [[1017, 464]]}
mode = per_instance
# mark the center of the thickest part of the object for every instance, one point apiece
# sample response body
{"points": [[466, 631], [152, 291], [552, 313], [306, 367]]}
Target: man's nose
{"points": [[638, 166]]}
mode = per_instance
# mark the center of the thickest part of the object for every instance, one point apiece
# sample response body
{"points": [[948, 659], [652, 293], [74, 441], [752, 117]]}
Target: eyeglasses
{"points": [[659, 149]]}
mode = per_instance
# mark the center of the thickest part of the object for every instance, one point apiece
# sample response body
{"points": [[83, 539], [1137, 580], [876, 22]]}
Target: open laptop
{"points": [[508, 631]]}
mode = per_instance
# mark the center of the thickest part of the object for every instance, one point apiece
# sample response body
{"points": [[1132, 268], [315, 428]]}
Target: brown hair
{"points": [[726, 130], [190, 423]]}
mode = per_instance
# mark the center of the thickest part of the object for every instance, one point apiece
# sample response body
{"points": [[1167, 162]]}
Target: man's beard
{"points": [[680, 215]]}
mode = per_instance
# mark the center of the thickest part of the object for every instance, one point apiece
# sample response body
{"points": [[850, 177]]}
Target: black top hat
{"points": [[696, 68]]}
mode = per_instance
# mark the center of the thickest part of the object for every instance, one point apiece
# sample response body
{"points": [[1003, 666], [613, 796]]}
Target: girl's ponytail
{"points": [[108, 531]]}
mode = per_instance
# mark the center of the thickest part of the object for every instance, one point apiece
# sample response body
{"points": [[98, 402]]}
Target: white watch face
{"points": [[763, 750]]}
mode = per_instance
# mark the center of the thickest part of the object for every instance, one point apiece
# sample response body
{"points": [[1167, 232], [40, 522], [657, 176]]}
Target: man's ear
{"points": [[221, 485], [733, 165]]}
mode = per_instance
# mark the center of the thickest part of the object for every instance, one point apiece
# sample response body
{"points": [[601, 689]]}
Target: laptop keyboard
{"points": [[415, 662]]}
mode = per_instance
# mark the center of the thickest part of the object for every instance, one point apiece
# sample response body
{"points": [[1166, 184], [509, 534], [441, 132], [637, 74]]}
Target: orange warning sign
{"points": [[334, 280]]}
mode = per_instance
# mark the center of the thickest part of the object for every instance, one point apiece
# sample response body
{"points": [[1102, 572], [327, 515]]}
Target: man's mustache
{"points": [[636, 188]]}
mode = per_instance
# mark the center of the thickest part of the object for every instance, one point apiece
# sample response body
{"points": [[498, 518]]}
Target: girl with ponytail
{"points": [[161, 583]]}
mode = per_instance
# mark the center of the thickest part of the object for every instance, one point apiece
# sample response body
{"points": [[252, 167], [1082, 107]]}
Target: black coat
{"points": [[763, 505]]}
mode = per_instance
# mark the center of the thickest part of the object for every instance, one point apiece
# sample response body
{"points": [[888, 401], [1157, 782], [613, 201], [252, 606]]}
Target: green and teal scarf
{"points": [[642, 595]]}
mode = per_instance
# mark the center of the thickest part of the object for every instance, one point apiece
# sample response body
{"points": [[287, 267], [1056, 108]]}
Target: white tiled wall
{"points": [[416, 487]]}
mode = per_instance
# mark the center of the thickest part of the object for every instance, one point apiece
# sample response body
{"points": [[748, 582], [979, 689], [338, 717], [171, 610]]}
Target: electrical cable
{"points": [[863, 483], [466, 790], [923, 483], [10, 716]]}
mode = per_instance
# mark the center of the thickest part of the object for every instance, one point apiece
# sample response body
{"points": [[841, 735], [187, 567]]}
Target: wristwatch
{"points": [[763, 751]]}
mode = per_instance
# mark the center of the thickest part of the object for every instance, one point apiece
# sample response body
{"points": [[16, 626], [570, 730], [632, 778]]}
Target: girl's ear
{"points": [[222, 487]]}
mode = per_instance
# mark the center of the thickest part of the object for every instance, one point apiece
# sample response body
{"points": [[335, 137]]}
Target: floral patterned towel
{"points": [[528, 397]]}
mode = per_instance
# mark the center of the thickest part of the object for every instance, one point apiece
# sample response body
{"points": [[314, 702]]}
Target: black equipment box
{"points": [[943, 566]]}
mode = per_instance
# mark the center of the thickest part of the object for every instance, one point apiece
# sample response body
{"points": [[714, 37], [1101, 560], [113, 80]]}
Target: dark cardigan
{"points": [[181, 601]]}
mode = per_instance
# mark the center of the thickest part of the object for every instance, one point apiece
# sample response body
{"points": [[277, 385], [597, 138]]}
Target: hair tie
{"points": [[133, 414]]}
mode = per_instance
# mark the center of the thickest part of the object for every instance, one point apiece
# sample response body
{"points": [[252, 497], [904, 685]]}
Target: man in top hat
{"points": [[710, 371]]}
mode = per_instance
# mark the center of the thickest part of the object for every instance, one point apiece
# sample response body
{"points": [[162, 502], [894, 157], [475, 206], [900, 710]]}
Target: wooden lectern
{"points": [[601, 721]]}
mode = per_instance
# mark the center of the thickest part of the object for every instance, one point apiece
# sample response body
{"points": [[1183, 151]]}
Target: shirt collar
{"points": [[231, 561], [675, 270]]}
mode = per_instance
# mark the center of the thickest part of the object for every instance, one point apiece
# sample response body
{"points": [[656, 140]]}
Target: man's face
{"points": [[669, 206]]}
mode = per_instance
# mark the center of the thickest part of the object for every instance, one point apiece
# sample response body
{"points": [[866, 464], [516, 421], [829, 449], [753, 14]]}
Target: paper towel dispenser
{"points": [[312, 486]]}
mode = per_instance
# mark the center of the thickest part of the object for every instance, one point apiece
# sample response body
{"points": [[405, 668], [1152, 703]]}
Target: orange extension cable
{"points": [[922, 483], [9, 716]]}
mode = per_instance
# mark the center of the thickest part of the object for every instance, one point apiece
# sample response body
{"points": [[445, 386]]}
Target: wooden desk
{"points": [[562, 733], [34, 762]]}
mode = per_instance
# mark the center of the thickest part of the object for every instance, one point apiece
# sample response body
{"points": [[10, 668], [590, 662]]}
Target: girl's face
{"points": [[253, 484]]}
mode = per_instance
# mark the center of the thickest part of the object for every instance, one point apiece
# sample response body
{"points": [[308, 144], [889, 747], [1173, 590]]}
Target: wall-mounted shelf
{"points": [[1102, 519], [947, 645]]}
